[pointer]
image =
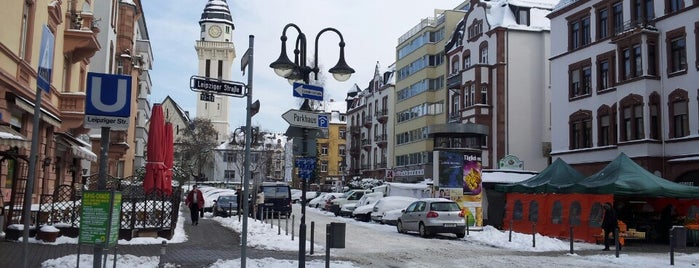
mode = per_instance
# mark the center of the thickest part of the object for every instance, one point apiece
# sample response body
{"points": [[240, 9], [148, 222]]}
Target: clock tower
{"points": [[216, 53]]}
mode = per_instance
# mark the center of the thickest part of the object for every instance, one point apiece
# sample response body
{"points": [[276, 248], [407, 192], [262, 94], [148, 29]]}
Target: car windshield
{"points": [[444, 206], [276, 191], [226, 199]]}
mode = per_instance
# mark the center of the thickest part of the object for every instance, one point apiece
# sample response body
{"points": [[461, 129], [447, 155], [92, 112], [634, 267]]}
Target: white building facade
{"points": [[625, 78]]}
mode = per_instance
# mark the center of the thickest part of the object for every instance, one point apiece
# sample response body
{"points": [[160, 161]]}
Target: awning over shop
{"points": [[47, 116], [12, 138], [79, 148]]}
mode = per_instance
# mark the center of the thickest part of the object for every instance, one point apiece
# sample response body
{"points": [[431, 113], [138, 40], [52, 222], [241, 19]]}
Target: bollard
{"points": [[533, 235], [572, 236], [163, 251], [312, 234], [327, 246], [293, 223], [271, 220], [510, 239], [286, 226], [467, 230], [616, 242], [279, 224], [115, 256]]}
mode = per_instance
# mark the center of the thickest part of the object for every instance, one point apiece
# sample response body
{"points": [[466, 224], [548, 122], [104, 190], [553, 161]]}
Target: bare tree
{"points": [[195, 148]]}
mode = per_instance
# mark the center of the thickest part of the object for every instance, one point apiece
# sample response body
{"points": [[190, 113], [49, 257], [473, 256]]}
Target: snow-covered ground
{"points": [[367, 243]]}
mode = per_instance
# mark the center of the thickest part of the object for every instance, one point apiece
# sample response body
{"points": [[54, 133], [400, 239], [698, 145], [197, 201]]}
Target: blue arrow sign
{"points": [[308, 91]]}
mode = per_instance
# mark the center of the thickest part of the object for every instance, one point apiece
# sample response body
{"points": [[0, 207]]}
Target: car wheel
{"points": [[460, 234], [423, 231], [399, 226]]}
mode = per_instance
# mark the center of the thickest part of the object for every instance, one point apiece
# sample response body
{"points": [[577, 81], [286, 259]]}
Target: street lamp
{"points": [[297, 71]]}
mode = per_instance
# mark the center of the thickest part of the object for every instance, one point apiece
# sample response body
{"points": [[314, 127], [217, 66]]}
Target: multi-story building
{"points": [[498, 75], [267, 159], [180, 120], [371, 133], [45, 51], [331, 149], [420, 92], [126, 50], [624, 79], [216, 53]]}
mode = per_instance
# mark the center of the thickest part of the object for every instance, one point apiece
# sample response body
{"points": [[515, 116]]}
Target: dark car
{"points": [[277, 198], [225, 206]]}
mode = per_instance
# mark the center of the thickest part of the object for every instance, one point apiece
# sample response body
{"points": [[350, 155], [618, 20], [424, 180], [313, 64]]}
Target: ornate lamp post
{"points": [[298, 71]]}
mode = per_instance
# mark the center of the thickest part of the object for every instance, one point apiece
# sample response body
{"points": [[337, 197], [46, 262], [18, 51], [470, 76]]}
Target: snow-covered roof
{"points": [[506, 175], [217, 11]]}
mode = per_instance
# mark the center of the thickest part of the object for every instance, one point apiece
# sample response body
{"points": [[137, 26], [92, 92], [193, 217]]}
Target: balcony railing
{"points": [[454, 81], [641, 23], [455, 117], [382, 115]]}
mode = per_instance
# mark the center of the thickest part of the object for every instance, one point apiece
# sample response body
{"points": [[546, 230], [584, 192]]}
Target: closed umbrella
{"points": [[155, 166], [169, 144]]}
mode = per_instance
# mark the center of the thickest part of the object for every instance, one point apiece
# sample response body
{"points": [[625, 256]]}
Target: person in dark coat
{"points": [[609, 224], [195, 202], [239, 200]]}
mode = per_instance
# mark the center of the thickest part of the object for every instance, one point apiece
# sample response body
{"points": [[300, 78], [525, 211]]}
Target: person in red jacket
{"points": [[195, 202]]}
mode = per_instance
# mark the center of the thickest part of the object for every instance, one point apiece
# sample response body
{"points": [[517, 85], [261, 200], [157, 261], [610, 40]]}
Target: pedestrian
{"points": [[260, 203], [195, 202], [609, 224], [238, 200]]}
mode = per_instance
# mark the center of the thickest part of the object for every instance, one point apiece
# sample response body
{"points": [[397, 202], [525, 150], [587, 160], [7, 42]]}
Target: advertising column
{"points": [[459, 178]]}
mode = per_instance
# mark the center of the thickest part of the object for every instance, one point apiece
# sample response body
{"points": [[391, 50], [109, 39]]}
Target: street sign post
{"points": [[306, 119], [306, 91], [218, 86]]}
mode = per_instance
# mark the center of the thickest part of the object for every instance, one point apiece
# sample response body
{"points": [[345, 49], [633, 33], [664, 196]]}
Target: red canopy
{"points": [[155, 166], [169, 144]]}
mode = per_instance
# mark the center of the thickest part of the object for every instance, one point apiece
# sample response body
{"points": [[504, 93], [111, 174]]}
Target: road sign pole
{"points": [[101, 186], [246, 171]]}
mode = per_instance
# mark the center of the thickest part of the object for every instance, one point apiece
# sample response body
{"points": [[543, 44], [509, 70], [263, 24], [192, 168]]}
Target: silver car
{"points": [[429, 216]]}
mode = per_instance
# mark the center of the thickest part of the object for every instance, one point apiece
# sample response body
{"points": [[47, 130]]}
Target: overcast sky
{"points": [[370, 29]]}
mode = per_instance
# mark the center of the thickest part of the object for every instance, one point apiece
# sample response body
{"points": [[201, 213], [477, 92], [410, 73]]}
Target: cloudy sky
{"points": [[370, 29]]}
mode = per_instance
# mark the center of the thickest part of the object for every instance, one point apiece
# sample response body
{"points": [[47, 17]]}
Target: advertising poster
{"points": [[460, 179]]}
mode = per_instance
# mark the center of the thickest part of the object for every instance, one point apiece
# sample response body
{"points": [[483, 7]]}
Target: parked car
{"points": [[277, 197], [212, 195], [363, 209], [295, 195], [390, 203], [225, 206], [429, 216], [315, 202], [390, 217], [322, 201], [352, 196]]}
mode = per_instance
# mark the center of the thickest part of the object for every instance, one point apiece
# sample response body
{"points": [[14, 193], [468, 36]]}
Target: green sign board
{"points": [[95, 217]]}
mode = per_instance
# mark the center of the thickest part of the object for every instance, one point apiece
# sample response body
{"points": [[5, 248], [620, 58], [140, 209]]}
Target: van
{"points": [[277, 197]]}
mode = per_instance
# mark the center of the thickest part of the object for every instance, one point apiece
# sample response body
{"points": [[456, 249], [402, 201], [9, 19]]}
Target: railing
{"points": [[641, 23]]}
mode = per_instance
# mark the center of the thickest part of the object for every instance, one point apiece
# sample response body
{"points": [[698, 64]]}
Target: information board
{"points": [[94, 217]]}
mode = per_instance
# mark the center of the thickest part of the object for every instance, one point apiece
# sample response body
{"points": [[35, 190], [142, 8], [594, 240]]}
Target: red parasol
{"points": [[155, 167], [169, 145]]}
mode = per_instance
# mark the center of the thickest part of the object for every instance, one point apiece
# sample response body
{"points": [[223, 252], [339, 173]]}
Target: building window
{"points": [[618, 17], [581, 129], [652, 59], [455, 65], [343, 133], [475, 30], [484, 94], [467, 61], [324, 166], [580, 76], [677, 51], [207, 69], [229, 174], [605, 71], [631, 109], [679, 113], [25, 34], [602, 23], [324, 149], [672, 6], [654, 109], [631, 62], [523, 16], [579, 30], [341, 150], [642, 11], [455, 108], [483, 53], [606, 130]]}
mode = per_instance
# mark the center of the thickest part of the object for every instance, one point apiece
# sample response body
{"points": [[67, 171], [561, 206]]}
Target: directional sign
{"points": [[305, 119], [306, 166], [43, 78], [308, 91], [108, 101], [218, 86]]}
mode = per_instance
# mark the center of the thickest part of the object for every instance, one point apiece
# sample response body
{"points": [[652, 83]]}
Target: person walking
{"points": [[239, 201], [609, 224], [195, 202]]}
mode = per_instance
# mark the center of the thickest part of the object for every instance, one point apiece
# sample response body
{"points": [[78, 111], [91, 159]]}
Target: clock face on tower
{"points": [[215, 31]]}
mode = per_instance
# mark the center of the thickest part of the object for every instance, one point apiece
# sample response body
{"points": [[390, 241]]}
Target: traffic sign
{"points": [[43, 77], [218, 86], [108, 101], [306, 166], [306, 119], [306, 91]]}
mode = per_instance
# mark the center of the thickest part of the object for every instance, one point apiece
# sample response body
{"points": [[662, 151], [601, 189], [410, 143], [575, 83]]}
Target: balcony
{"points": [[382, 116], [632, 27], [455, 117], [72, 106], [355, 130], [454, 81], [381, 140], [368, 121], [366, 144], [80, 38]]}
